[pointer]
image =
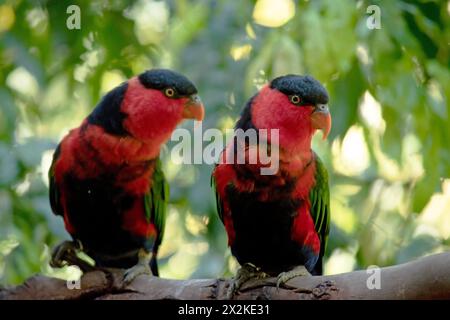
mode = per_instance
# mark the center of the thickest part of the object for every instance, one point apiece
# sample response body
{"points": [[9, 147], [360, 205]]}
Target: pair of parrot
{"points": [[107, 183]]}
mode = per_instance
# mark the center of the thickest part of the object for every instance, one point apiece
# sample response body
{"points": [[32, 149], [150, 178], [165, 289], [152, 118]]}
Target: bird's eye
{"points": [[295, 99], [169, 92]]}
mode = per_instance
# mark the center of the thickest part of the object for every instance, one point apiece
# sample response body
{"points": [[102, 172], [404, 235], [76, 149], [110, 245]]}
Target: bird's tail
{"points": [[154, 263]]}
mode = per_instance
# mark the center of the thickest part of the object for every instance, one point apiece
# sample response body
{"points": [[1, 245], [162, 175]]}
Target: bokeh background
{"points": [[388, 154]]}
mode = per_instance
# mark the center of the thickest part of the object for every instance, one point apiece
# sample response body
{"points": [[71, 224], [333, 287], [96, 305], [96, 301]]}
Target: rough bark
{"points": [[427, 278]]}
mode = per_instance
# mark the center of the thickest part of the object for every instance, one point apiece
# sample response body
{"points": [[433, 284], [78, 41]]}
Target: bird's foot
{"points": [[135, 271], [65, 254], [142, 267], [298, 271], [247, 272]]}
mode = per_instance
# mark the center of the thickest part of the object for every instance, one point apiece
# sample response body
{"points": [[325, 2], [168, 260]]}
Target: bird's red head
{"points": [[149, 107], [297, 106]]}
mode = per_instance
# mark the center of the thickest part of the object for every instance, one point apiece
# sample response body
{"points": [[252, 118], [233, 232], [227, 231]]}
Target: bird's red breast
{"points": [[90, 153]]}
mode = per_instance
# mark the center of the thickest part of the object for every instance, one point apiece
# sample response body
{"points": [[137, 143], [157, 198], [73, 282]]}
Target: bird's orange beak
{"points": [[321, 119], [193, 109]]}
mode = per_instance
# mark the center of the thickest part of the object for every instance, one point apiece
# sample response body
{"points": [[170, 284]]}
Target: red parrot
{"points": [[106, 179], [278, 224]]}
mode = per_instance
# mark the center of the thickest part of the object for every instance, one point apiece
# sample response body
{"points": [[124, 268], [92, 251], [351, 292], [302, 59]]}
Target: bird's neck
{"points": [[295, 152], [118, 150]]}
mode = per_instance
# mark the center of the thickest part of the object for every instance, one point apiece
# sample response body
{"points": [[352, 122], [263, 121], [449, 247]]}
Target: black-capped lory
{"points": [[106, 179], [277, 224]]}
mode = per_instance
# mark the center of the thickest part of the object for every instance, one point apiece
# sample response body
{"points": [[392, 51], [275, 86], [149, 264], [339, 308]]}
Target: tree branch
{"points": [[426, 278]]}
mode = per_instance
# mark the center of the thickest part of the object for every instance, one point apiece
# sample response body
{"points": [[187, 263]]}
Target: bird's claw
{"points": [[65, 254], [59, 252], [142, 267], [247, 272], [284, 277], [135, 271]]}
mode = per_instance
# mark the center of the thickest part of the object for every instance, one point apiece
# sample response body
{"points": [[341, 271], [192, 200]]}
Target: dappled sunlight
{"points": [[363, 54], [240, 52], [391, 197], [226, 123], [410, 168], [111, 79], [174, 231], [196, 225], [181, 265], [264, 10], [370, 110], [172, 168], [151, 19], [436, 214], [91, 59], [46, 162], [250, 31], [182, 251], [23, 82], [340, 261], [351, 157], [37, 18]]}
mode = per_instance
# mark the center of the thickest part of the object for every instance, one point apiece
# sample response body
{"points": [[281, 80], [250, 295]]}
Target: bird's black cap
{"points": [[309, 89], [161, 79]]}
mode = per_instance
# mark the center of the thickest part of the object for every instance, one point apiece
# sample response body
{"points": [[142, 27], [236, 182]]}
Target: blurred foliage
{"points": [[388, 154]]}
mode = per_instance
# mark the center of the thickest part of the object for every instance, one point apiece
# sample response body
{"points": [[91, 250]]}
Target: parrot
{"points": [[106, 178], [277, 224]]}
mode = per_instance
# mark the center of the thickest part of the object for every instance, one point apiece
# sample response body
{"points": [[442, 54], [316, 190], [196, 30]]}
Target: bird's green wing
{"points": [[218, 201], [55, 202], [320, 204], [156, 201]]}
